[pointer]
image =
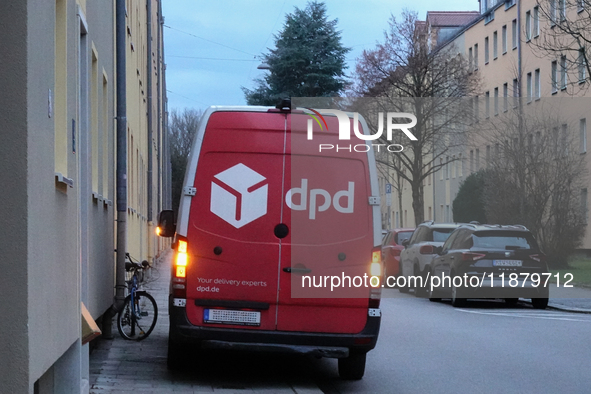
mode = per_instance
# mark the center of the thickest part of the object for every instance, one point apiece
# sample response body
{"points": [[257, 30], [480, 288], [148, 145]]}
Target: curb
{"points": [[563, 308]]}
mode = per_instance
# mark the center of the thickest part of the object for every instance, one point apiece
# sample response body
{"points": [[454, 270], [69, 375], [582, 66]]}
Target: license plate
{"points": [[227, 316], [507, 263]]}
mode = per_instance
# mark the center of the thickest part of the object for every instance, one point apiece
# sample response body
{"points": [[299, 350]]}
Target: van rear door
{"points": [[331, 233], [233, 251]]}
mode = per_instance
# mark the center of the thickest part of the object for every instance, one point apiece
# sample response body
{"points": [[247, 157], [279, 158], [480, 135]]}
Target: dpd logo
{"points": [[239, 195]]}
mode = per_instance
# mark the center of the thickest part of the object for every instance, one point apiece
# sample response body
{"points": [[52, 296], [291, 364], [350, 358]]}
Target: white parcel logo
{"points": [[238, 195]]}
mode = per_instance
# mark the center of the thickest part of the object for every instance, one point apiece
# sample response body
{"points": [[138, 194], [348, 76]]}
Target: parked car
{"points": [[493, 261], [415, 258], [258, 215], [391, 248]]}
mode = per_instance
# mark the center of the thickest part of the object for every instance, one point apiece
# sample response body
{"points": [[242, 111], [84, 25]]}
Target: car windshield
{"points": [[441, 234], [503, 240], [401, 236]]}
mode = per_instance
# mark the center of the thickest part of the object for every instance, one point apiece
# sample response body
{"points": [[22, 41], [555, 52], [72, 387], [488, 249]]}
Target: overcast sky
{"points": [[210, 46]]}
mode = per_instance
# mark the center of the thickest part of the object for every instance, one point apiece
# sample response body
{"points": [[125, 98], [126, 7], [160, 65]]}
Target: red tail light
{"points": [[395, 252], [179, 274], [467, 256], [538, 257], [426, 249]]}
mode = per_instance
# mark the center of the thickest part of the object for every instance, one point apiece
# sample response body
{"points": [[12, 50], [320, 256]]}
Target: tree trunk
{"points": [[418, 204]]}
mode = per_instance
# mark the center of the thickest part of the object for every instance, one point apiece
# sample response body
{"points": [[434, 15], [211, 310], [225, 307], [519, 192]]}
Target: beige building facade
{"points": [[58, 162], [503, 43]]}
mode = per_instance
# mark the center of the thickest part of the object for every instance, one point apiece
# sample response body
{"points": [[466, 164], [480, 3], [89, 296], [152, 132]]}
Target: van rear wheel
{"points": [[352, 367], [177, 355]]}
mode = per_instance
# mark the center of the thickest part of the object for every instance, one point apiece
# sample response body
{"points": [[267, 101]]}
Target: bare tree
{"points": [[566, 38], [407, 76], [183, 128], [535, 177]]}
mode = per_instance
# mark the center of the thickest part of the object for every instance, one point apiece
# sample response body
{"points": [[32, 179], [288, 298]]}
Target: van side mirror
{"points": [[405, 242], [166, 225]]}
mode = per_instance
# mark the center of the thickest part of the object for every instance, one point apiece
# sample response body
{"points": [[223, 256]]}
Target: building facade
{"points": [[57, 144], [505, 45]]}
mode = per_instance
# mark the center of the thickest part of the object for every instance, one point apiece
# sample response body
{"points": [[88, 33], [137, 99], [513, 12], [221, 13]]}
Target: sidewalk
{"points": [[121, 366], [570, 299]]}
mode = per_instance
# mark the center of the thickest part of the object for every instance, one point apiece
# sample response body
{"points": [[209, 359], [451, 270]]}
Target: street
{"points": [[423, 347]]}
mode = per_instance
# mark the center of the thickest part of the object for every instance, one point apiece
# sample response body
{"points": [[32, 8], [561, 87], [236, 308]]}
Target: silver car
{"points": [[418, 252]]}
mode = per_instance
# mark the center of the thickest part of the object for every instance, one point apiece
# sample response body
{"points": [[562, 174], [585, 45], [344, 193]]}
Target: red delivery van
{"points": [[276, 236]]}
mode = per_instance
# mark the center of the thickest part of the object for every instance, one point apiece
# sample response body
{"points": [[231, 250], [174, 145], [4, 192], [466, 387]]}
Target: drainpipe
{"points": [[120, 286], [150, 125], [159, 104]]}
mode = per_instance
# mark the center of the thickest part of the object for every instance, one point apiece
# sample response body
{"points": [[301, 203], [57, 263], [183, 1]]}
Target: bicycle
{"points": [[138, 317]]}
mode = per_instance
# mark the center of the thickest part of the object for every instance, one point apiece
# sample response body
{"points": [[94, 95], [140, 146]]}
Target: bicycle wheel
{"points": [[137, 325]]}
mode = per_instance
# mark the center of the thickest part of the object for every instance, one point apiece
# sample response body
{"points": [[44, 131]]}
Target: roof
{"points": [[496, 227], [451, 18], [432, 224]]}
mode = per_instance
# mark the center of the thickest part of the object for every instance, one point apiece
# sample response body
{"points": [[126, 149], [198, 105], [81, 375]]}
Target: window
{"points": [[509, 4], [505, 97], [554, 77], [477, 159], [470, 59], [453, 166], [504, 39], [441, 169], [495, 45], [582, 65], [584, 207], [496, 101], [471, 161], [561, 10], [460, 165], [60, 92], [528, 26], [552, 12], [563, 76], [514, 33], [564, 140], [486, 52], [476, 109], [487, 104], [583, 135], [536, 21], [537, 84], [515, 92], [447, 167], [488, 155], [475, 56], [581, 5], [529, 87]]}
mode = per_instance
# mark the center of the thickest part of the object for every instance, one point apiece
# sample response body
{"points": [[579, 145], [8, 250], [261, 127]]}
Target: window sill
{"points": [[60, 178]]}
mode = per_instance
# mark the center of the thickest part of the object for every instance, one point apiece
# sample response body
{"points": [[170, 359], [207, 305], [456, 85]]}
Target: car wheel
{"points": [[402, 289], [539, 303], [421, 291], [432, 293], [352, 367], [456, 299], [511, 301]]}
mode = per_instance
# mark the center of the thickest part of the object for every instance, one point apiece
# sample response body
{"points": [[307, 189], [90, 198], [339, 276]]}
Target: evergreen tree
{"points": [[469, 202], [308, 61]]}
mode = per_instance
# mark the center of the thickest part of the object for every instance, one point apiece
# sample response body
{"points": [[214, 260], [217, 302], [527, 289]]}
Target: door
{"points": [[327, 211], [233, 251]]}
